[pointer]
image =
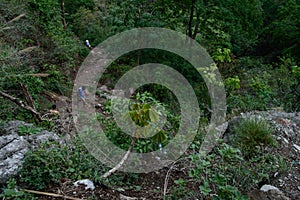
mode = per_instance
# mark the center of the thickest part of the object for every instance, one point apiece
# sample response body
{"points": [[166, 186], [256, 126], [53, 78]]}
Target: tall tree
{"points": [[281, 32]]}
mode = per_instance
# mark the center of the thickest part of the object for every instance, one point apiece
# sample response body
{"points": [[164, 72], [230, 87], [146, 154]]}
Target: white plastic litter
{"points": [[266, 188], [89, 184]]}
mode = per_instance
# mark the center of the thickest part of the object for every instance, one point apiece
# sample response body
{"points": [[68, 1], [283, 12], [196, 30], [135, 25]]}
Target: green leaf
{"points": [[154, 116], [160, 137], [205, 188]]}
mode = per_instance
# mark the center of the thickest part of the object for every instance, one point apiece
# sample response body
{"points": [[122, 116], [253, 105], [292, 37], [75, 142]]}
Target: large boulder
{"points": [[14, 144]]}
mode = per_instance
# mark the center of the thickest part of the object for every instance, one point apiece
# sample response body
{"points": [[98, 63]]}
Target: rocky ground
{"points": [[287, 133], [281, 186], [14, 143]]}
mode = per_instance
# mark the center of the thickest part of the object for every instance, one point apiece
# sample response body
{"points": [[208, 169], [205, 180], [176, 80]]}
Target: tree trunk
{"points": [[190, 28], [197, 24], [63, 14]]}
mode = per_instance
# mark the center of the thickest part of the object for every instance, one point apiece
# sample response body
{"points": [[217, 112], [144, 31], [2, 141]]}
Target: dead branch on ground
{"points": [[119, 165], [23, 105]]}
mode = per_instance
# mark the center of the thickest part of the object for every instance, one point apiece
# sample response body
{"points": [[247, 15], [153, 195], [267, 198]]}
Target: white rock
{"points": [[89, 184], [285, 140], [104, 88], [297, 147], [123, 197], [267, 188], [121, 190]]}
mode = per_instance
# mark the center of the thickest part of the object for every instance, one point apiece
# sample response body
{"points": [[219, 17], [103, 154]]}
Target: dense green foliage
{"points": [[255, 44], [258, 36]]}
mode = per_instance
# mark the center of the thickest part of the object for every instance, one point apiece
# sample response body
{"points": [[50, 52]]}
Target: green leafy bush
{"points": [[226, 174], [222, 55], [143, 112], [232, 83], [51, 162]]}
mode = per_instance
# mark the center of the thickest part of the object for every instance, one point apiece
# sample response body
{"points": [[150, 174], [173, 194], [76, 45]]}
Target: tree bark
{"points": [[197, 24], [190, 28], [63, 14]]}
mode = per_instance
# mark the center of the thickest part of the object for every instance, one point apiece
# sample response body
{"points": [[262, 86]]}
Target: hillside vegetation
{"points": [[255, 45]]}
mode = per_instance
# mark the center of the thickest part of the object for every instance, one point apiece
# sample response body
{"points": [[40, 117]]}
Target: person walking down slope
{"points": [[87, 43], [81, 94]]}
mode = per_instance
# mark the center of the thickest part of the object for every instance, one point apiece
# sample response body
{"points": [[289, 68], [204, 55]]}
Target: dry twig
{"points": [[50, 194]]}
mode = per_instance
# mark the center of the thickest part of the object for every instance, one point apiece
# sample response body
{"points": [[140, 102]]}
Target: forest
{"points": [[254, 52]]}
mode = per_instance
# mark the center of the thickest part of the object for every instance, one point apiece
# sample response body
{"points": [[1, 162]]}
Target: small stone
{"points": [[296, 147], [123, 197], [285, 140], [104, 88], [121, 190], [267, 188]]}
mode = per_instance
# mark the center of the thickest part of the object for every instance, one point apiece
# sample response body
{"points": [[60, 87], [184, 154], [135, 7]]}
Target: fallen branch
{"points": [[38, 75], [22, 105], [169, 174], [27, 95], [50, 194], [27, 50], [16, 18], [107, 174], [167, 179], [7, 28], [56, 97], [42, 75]]}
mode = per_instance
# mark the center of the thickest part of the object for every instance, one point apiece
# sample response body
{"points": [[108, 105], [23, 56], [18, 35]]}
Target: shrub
{"points": [[51, 162], [252, 133], [226, 174]]}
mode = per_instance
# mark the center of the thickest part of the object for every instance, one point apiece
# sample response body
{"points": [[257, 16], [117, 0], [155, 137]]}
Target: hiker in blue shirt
{"points": [[81, 94]]}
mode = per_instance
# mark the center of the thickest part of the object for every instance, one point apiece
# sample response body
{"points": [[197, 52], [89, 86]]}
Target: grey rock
{"points": [[118, 93], [13, 147], [12, 127], [42, 137], [286, 128], [104, 88], [273, 192]]}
